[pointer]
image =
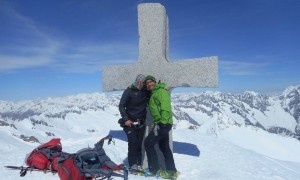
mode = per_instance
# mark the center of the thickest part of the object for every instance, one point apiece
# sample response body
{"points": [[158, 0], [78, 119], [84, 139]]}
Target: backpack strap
{"points": [[50, 153], [98, 173]]}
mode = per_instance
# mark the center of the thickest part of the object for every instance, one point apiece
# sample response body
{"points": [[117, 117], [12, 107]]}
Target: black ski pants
{"points": [[135, 137], [161, 136]]}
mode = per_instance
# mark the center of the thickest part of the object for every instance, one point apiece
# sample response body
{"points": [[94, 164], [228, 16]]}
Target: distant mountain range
{"points": [[276, 114], [208, 112]]}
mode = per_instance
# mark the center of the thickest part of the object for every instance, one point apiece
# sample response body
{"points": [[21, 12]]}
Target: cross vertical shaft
{"points": [[153, 33]]}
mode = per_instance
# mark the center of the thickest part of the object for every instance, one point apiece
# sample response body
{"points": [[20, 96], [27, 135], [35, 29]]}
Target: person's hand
{"points": [[128, 123]]}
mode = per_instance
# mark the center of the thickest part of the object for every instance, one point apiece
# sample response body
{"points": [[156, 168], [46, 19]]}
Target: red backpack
{"points": [[42, 157], [68, 170]]}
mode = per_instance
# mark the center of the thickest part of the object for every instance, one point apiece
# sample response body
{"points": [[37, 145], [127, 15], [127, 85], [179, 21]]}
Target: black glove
{"points": [[121, 122]]}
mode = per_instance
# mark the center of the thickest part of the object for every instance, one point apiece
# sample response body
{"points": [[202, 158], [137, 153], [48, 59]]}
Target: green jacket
{"points": [[160, 105]]}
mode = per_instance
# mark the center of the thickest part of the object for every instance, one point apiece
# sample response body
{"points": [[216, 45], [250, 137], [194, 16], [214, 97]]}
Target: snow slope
{"points": [[217, 159], [216, 135]]}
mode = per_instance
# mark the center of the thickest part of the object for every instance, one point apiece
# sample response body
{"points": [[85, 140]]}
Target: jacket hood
{"points": [[159, 86], [132, 86]]}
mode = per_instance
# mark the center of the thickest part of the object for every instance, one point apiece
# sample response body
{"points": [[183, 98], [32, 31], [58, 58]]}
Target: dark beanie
{"points": [[149, 77]]}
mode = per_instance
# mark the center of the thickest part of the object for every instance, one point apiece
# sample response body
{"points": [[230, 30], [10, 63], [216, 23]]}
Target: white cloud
{"points": [[88, 57], [241, 68], [11, 62], [25, 45], [32, 45]]}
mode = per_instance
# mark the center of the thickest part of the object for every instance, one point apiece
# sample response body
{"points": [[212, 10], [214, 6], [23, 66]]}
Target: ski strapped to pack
{"points": [[23, 170]]}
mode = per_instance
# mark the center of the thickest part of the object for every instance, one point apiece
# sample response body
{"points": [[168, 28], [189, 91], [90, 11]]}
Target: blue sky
{"points": [[58, 47]]}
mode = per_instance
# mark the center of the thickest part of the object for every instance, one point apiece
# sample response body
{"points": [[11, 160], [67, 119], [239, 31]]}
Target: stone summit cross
{"points": [[154, 55]]}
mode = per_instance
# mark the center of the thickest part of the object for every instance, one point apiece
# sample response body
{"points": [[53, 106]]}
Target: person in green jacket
{"points": [[161, 110]]}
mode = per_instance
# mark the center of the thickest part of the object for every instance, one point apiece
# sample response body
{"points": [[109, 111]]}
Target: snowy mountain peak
{"points": [[291, 91], [255, 100], [250, 93], [290, 101]]}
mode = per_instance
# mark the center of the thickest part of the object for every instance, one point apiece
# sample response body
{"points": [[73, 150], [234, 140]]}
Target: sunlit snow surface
{"points": [[218, 158], [222, 147]]}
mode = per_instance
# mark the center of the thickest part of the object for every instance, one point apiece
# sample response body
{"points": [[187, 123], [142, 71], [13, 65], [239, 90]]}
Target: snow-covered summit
{"points": [[247, 136], [290, 101]]}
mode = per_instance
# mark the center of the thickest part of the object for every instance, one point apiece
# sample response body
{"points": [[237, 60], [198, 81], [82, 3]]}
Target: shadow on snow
{"points": [[179, 147]]}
